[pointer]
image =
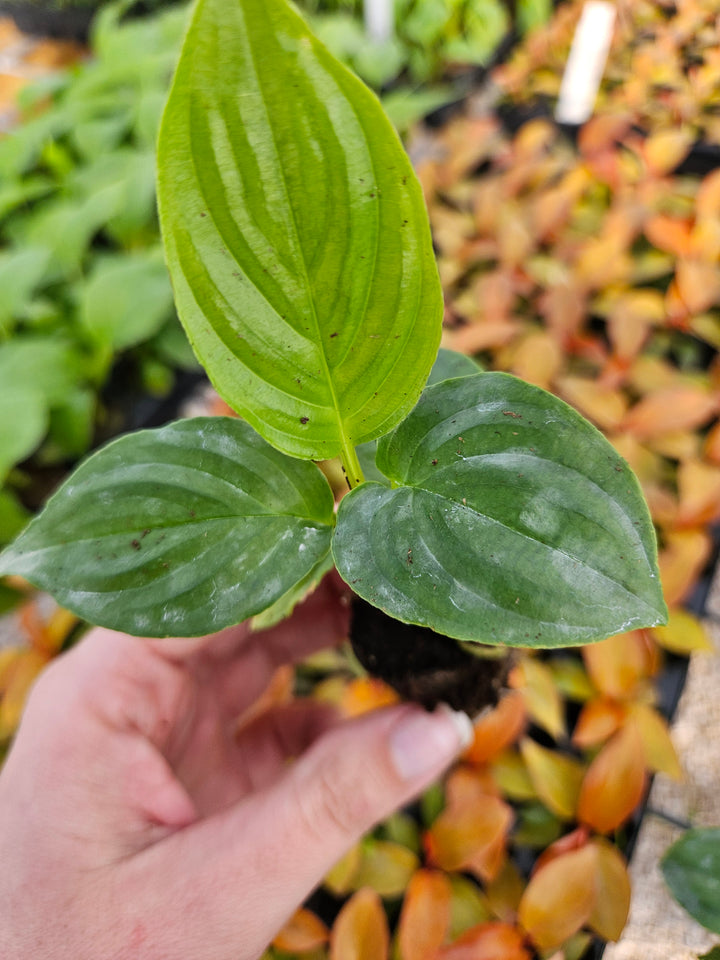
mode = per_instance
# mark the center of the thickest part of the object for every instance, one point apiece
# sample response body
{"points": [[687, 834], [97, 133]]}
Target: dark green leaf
{"points": [[9, 599], [296, 233], [713, 954], [691, 868], [512, 520], [178, 531]]}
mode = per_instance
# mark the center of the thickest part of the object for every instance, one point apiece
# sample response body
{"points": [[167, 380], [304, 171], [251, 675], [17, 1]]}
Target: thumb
{"points": [[273, 848]]}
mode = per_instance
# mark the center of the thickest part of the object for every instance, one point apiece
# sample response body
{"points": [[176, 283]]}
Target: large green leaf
{"points": [[511, 520], [178, 531], [296, 233], [691, 868]]}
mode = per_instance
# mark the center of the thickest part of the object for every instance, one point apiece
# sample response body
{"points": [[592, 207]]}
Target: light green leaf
{"points": [[23, 422], [512, 520], [13, 516], [50, 366], [296, 233], [20, 272], [691, 868], [179, 531], [448, 364], [127, 299], [283, 607]]}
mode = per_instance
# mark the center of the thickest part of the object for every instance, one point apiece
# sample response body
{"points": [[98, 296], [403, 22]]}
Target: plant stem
{"points": [[351, 466]]}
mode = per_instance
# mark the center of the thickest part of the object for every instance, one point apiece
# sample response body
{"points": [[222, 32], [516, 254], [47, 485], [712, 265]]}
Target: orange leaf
{"points": [[602, 261], [665, 150], [670, 234], [605, 406], [365, 694], [497, 729], [20, 677], [707, 201], [610, 914], [463, 836], [467, 786], [617, 665], [489, 941], [673, 408], [560, 898], [614, 783], [536, 682], [603, 131], [575, 840], [425, 916], [360, 931], [302, 933], [699, 493], [683, 634], [698, 284], [598, 720], [556, 778], [682, 558], [660, 755], [537, 359]]}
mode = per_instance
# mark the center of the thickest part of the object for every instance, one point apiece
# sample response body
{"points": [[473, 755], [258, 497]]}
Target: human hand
{"points": [[138, 823]]}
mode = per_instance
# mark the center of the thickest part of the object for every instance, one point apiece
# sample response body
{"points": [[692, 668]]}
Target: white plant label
{"points": [[586, 62]]}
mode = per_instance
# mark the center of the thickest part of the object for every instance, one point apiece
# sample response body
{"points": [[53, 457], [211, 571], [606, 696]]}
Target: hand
{"points": [[138, 823]]}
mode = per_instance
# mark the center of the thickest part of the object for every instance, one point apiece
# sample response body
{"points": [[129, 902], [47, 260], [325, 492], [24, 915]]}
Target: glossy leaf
{"points": [[360, 931], [425, 916], [614, 783], [512, 521], [296, 233], [556, 778], [178, 531], [691, 868], [560, 898], [489, 941]]}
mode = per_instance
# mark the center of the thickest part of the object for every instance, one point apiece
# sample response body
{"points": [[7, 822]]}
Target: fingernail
{"points": [[422, 742]]}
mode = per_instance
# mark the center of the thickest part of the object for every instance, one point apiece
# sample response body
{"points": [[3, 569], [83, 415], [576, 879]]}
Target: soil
{"points": [[425, 666]]}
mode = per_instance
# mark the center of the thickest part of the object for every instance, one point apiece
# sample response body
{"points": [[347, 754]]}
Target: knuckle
{"points": [[336, 801]]}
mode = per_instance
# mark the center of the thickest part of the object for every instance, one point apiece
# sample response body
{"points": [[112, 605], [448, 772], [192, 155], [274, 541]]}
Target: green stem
{"points": [[351, 466]]}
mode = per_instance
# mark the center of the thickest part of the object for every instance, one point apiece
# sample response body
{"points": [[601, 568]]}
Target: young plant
{"points": [[303, 270]]}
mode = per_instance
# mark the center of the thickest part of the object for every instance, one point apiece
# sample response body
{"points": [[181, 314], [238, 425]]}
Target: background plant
{"points": [[84, 283]]}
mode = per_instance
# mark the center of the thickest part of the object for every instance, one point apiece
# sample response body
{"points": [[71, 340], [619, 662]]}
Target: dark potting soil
{"points": [[425, 666]]}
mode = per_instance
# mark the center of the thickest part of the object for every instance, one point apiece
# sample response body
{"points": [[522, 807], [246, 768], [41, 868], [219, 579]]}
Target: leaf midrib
{"points": [[345, 439]]}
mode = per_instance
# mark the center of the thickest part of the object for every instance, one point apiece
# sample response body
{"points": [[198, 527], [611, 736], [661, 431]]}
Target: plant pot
{"points": [[425, 666]]}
